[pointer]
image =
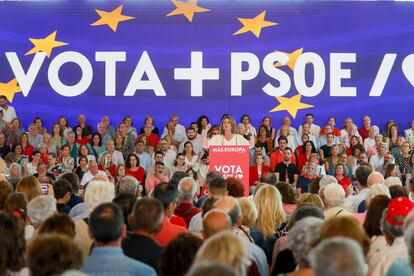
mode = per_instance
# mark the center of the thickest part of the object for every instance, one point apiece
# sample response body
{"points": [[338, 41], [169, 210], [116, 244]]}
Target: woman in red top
{"points": [[335, 131], [133, 168], [152, 137], [27, 148], [343, 180], [353, 143], [256, 171], [78, 136], [308, 149]]}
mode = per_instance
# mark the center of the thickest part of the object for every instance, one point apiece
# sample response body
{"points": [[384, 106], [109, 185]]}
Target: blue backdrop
{"points": [[368, 29]]}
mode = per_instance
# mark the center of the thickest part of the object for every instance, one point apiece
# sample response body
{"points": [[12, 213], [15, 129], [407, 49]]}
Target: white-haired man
{"points": [[187, 189]]}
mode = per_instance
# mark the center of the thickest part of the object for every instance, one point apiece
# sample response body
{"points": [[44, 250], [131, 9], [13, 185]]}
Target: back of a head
{"points": [[187, 188], [337, 256], [177, 176], [226, 248], [231, 206], [235, 187], [326, 180], [345, 226], [392, 181], [179, 254], [128, 184], [12, 244], [126, 201], [52, 254], [216, 221], [166, 193], [362, 173], [375, 178], [40, 208], [304, 211], [105, 223], [5, 189], [288, 193], [61, 187], [30, 187], [211, 176], [268, 178], [218, 187], [211, 268], [147, 215], [58, 224], [98, 192], [73, 180], [397, 191], [311, 199], [334, 195]]}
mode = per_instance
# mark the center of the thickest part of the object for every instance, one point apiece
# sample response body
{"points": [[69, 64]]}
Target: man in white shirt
{"points": [[377, 160], [117, 158], [352, 202], [314, 129], [305, 129], [8, 111], [192, 137], [178, 128], [91, 173], [169, 155], [287, 122]]}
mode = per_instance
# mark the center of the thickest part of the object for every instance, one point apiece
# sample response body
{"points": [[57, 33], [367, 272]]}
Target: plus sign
{"points": [[196, 74]]}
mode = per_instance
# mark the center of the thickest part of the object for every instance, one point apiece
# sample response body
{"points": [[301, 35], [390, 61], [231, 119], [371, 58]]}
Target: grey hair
{"points": [[301, 238], [98, 192], [128, 184], [40, 208], [19, 168], [390, 231], [187, 195], [338, 256], [334, 195], [377, 189]]}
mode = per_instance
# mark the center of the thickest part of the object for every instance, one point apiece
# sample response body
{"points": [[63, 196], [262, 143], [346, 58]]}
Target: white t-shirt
{"points": [[236, 140], [87, 176], [9, 114]]}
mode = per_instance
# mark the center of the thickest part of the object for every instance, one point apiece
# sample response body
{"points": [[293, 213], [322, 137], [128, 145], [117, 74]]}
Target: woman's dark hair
{"points": [[176, 157], [388, 170], [314, 185], [179, 255], [397, 191], [289, 194], [266, 129], [374, 214], [359, 147], [76, 133], [73, 179], [37, 118], [80, 158], [12, 244], [192, 151], [93, 136], [128, 160], [58, 224], [195, 176], [200, 127], [313, 147], [79, 150], [242, 117]]}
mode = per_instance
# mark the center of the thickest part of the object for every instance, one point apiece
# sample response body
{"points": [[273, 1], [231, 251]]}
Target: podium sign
{"points": [[231, 161]]}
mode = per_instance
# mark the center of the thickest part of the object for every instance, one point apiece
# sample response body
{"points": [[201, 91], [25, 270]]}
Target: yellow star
{"points": [[45, 45], [292, 59], [188, 9], [9, 89], [254, 25], [291, 105], [112, 18]]}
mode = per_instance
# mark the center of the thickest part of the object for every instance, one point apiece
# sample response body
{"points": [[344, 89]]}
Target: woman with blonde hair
{"points": [[228, 135], [30, 187], [225, 248]]}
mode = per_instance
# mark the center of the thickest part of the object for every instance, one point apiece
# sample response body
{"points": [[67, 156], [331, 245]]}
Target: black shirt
{"points": [[143, 249], [291, 169], [4, 150], [86, 130]]}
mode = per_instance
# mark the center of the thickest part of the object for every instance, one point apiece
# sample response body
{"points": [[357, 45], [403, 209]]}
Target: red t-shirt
{"points": [[335, 132], [138, 174], [186, 211], [168, 232], [277, 157], [344, 182], [363, 132], [153, 140], [254, 174], [28, 151], [82, 141]]}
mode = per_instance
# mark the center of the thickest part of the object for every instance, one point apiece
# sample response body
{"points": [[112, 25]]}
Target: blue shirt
{"points": [[112, 261], [400, 267], [145, 160]]}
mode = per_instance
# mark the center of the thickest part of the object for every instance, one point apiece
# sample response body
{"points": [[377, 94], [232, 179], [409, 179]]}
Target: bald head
{"points": [[214, 222], [230, 206], [375, 178]]}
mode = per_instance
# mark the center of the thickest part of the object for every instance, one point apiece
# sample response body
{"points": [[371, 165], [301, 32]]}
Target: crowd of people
{"points": [[128, 201]]}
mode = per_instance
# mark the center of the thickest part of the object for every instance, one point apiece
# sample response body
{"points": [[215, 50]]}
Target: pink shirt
{"points": [[152, 181]]}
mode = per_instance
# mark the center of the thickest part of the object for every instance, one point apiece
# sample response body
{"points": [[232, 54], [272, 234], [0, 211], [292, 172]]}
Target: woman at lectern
{"points": [[228, 135]]}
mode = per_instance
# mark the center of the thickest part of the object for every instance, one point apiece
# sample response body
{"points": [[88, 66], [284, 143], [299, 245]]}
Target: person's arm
{"points": [[321, 155], [277, 176], [295, 180], [327, 166]]}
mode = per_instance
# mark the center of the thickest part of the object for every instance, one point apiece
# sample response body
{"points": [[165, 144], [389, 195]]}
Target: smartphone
{"points": [[45, 189]]}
